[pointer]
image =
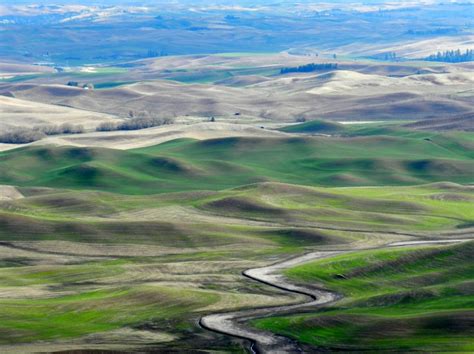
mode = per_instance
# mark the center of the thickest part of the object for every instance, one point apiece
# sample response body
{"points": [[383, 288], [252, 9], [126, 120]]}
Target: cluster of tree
{"points": [[308, 68], [198, 28], [231, 18], [28, 135], [155, 53], [387, 56], [452, 56], [435, 31], [66, 128], [134, 124], [21, 136]]}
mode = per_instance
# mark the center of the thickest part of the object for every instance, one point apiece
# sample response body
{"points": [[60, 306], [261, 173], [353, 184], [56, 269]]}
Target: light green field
{"points": [[95, 311], [389, 128], [100, 71], [20, 78], [168, 258], [429, 207], [111, 248]]}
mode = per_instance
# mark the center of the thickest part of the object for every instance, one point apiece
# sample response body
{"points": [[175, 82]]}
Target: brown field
{"points": [[358, 91]]}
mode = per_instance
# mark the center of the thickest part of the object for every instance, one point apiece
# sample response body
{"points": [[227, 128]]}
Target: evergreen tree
{"points": [[452, 56]]}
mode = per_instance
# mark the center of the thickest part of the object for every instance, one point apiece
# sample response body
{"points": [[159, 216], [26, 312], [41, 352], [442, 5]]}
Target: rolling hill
{"points": [[256, 176], [16, 112], [419, 297], [214, 164], [250, 88]]}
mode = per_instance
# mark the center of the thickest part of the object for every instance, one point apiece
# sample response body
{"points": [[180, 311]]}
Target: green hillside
{"points": [[317, 126], [230, 162], [157, 237], [395, 300]]}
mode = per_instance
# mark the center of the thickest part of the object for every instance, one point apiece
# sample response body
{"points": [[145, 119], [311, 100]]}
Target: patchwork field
{"points": [[236, 177], [134, 246], [357, 90], [130, 240]]}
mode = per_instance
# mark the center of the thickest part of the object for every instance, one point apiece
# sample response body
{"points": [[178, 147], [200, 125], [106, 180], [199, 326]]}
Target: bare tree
{"points": [[21, 136], [134, 124]]}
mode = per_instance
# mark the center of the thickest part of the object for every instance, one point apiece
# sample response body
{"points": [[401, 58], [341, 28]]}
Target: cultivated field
{"points": [[267, 177], [216, 86], [92, 234]]}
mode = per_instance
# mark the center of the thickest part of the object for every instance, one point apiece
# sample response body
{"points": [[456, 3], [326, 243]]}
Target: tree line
{"points": [[133, 124], [28, 135], [135, 121], [452, 56], [309, 68]]}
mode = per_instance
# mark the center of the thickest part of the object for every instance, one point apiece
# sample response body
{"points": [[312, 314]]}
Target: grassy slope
{"points": [[95, 311], [110, 294], [316, 126], [398, 299], [78, 297], [67, 215], [66, 297], [391, 128], [230, 162], [429, 207]]}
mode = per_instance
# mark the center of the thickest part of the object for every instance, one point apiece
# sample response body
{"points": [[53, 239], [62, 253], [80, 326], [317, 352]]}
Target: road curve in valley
{"points": [[234, 323]]}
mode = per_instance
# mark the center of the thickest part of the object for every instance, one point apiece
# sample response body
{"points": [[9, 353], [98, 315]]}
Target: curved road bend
{"points": [[233, 323]]}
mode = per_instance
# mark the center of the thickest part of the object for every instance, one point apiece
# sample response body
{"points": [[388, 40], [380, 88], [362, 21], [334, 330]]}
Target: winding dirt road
{"points": [[234, 323]]}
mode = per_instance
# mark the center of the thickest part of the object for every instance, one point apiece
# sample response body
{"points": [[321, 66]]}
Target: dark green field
{"points": [[230, 162]]}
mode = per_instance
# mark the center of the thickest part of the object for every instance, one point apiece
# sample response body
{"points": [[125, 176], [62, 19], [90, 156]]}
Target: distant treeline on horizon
{"points": [[308, 68], [452, 56]]}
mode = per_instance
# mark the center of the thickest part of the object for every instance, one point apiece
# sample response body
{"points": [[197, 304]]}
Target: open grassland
{"points": [[96, 292], [388, 128], [126, 249], [140, 270], [264, 213], [126, 241], [430, 207], [27, 320], [216, 164], [397, 299], [119, 303]]}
